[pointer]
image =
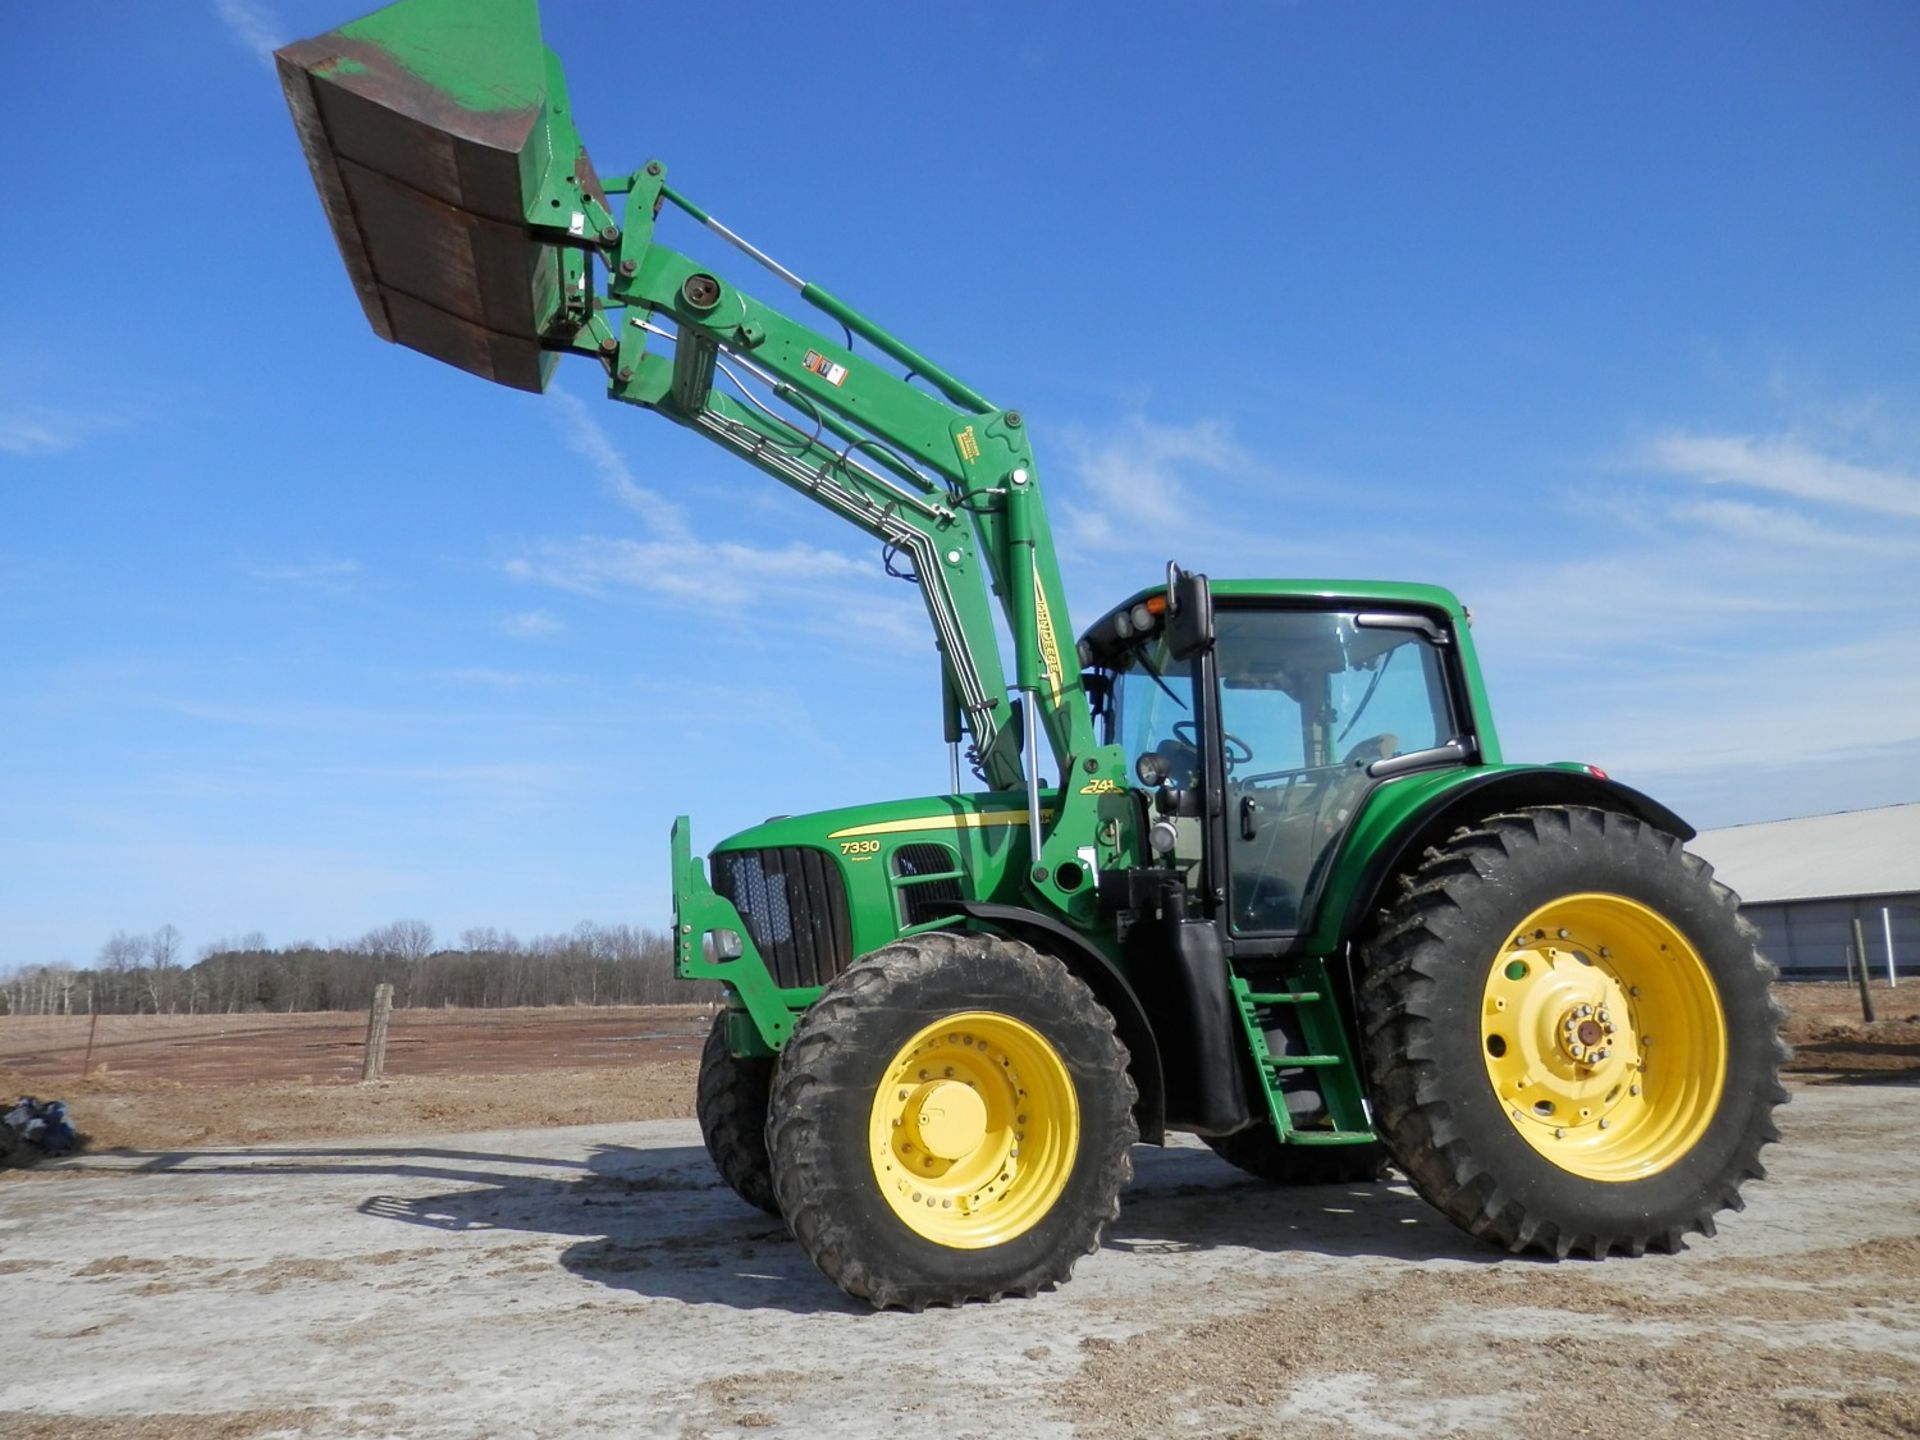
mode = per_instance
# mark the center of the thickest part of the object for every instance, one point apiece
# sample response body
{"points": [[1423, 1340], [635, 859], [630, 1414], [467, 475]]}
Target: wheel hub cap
{"points": [[951, 1119]]}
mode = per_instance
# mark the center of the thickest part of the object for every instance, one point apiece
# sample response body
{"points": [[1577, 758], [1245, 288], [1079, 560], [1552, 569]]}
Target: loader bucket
{"points": [[431, 127]]}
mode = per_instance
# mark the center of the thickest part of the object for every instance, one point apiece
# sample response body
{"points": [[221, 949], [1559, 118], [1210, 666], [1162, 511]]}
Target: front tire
{"points": [[732, 1105], [951, 1121], [1571, 1039]]}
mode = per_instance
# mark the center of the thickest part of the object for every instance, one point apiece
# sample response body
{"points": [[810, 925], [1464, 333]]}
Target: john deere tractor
{"points": [[1244, 859]]}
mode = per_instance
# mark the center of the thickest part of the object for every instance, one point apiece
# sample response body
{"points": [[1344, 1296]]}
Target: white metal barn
{"points": [[1804, 882]]}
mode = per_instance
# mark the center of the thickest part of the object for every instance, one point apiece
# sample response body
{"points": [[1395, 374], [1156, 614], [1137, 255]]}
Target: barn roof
{"points": [[1819, 857]]}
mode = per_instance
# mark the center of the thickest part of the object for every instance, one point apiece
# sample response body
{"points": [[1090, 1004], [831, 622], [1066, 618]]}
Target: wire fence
{"points": [[52, 1052], [246, 1011]]}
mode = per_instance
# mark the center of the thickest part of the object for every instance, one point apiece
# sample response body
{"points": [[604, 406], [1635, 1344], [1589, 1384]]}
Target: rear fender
{"points": [[1483, 793]]}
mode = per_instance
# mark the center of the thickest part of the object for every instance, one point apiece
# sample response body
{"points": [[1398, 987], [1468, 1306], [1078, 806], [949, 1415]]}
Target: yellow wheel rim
{"points": [[1603, 1037], [974, 1130]]}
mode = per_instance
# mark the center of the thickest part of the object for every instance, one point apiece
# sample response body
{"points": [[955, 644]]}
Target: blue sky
{"points": [[1603, 315]]}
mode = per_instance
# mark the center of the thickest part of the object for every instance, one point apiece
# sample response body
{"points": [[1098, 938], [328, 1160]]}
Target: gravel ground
{"points": [[596, 1280]]}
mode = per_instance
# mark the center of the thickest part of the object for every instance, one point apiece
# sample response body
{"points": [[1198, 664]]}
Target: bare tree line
{"points": [[488, 968]]}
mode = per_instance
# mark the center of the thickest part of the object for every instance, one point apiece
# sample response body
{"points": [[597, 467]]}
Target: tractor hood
{"points": [[931, 816]]}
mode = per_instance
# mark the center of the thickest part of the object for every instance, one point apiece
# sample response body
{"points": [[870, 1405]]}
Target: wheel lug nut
{"points": [[1603, 1017], [1559, 1134], [1603, 1122], [1564, 933], [1633, 1090]]}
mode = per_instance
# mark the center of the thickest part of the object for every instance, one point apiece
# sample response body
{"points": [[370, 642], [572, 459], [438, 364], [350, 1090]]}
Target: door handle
{"points": [[1249, 817]]}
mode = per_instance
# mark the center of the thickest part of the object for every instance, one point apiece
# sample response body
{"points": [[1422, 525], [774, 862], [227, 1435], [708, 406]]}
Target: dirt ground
{"points": [[1827, 1034], [600, 1280]]}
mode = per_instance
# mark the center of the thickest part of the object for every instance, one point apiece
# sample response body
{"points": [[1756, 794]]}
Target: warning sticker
{"points": [[823, 367]]}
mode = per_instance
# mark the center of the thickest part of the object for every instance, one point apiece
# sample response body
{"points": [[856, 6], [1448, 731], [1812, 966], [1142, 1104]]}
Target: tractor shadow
{"points": [[1185, 1198], [657, 1222]]}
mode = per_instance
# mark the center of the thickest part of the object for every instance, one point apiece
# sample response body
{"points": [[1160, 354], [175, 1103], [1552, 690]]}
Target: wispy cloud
{"points": [[491, 678], [588, 439], [720, 574], [1134, 479], [1790, 529], [253, 25], [533, 625], [672, 564], [1784, 466], [519, 780], [795, 586], [334, 577], [39, 430], [1676, 637]]}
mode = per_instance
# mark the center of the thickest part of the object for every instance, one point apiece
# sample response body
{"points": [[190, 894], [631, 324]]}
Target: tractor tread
{"points": [[731, 1103], [1427, 1112], [848, 1234]]}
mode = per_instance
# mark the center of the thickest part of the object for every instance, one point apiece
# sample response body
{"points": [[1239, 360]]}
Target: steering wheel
{"points": [[1237, 751]]}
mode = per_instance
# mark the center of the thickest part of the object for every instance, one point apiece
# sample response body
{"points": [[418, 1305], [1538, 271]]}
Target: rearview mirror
{"points": [[1189, 613]]}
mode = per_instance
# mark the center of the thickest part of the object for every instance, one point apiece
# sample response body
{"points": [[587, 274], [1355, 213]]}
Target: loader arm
{"points": [[475, 229]]}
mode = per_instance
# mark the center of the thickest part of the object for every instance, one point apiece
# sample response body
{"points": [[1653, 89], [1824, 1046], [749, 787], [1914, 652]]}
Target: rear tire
{"points": [[1571, 1040], [732, 1105], [951, 1121], [1259, 1152]]}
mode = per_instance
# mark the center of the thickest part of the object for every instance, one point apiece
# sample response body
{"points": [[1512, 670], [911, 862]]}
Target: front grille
{"points": [[794, 902], [923, 901]]}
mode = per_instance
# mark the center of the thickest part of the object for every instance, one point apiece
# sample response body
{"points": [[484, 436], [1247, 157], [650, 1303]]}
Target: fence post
{"points": [[376, 1057], [1866, 996], [1886, 923]]}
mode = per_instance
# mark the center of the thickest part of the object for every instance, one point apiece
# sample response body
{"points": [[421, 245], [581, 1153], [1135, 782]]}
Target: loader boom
{"points": [[475, 229]]}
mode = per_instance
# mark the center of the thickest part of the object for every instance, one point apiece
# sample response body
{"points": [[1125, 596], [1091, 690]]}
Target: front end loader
{"points": [[1244, 859]]}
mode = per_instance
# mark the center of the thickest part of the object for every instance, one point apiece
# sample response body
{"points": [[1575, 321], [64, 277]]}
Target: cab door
{"points": [[1308, 700]]}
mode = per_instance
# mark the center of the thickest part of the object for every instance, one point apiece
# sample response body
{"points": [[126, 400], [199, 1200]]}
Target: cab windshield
{"points": [[1308, 700]]}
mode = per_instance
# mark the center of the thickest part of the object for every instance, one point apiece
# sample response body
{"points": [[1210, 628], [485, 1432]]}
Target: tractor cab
{"points": [[1313, 694]]}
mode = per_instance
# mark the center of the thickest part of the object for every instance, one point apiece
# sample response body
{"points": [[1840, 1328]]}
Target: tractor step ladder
{"points": [[1309, 997]]}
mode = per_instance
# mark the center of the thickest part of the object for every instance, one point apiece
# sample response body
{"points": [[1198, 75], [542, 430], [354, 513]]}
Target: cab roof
{"points": [[1364, 592]]}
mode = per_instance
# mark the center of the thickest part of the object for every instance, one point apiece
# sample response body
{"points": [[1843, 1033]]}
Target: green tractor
{"points": [[1244, 859]]}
